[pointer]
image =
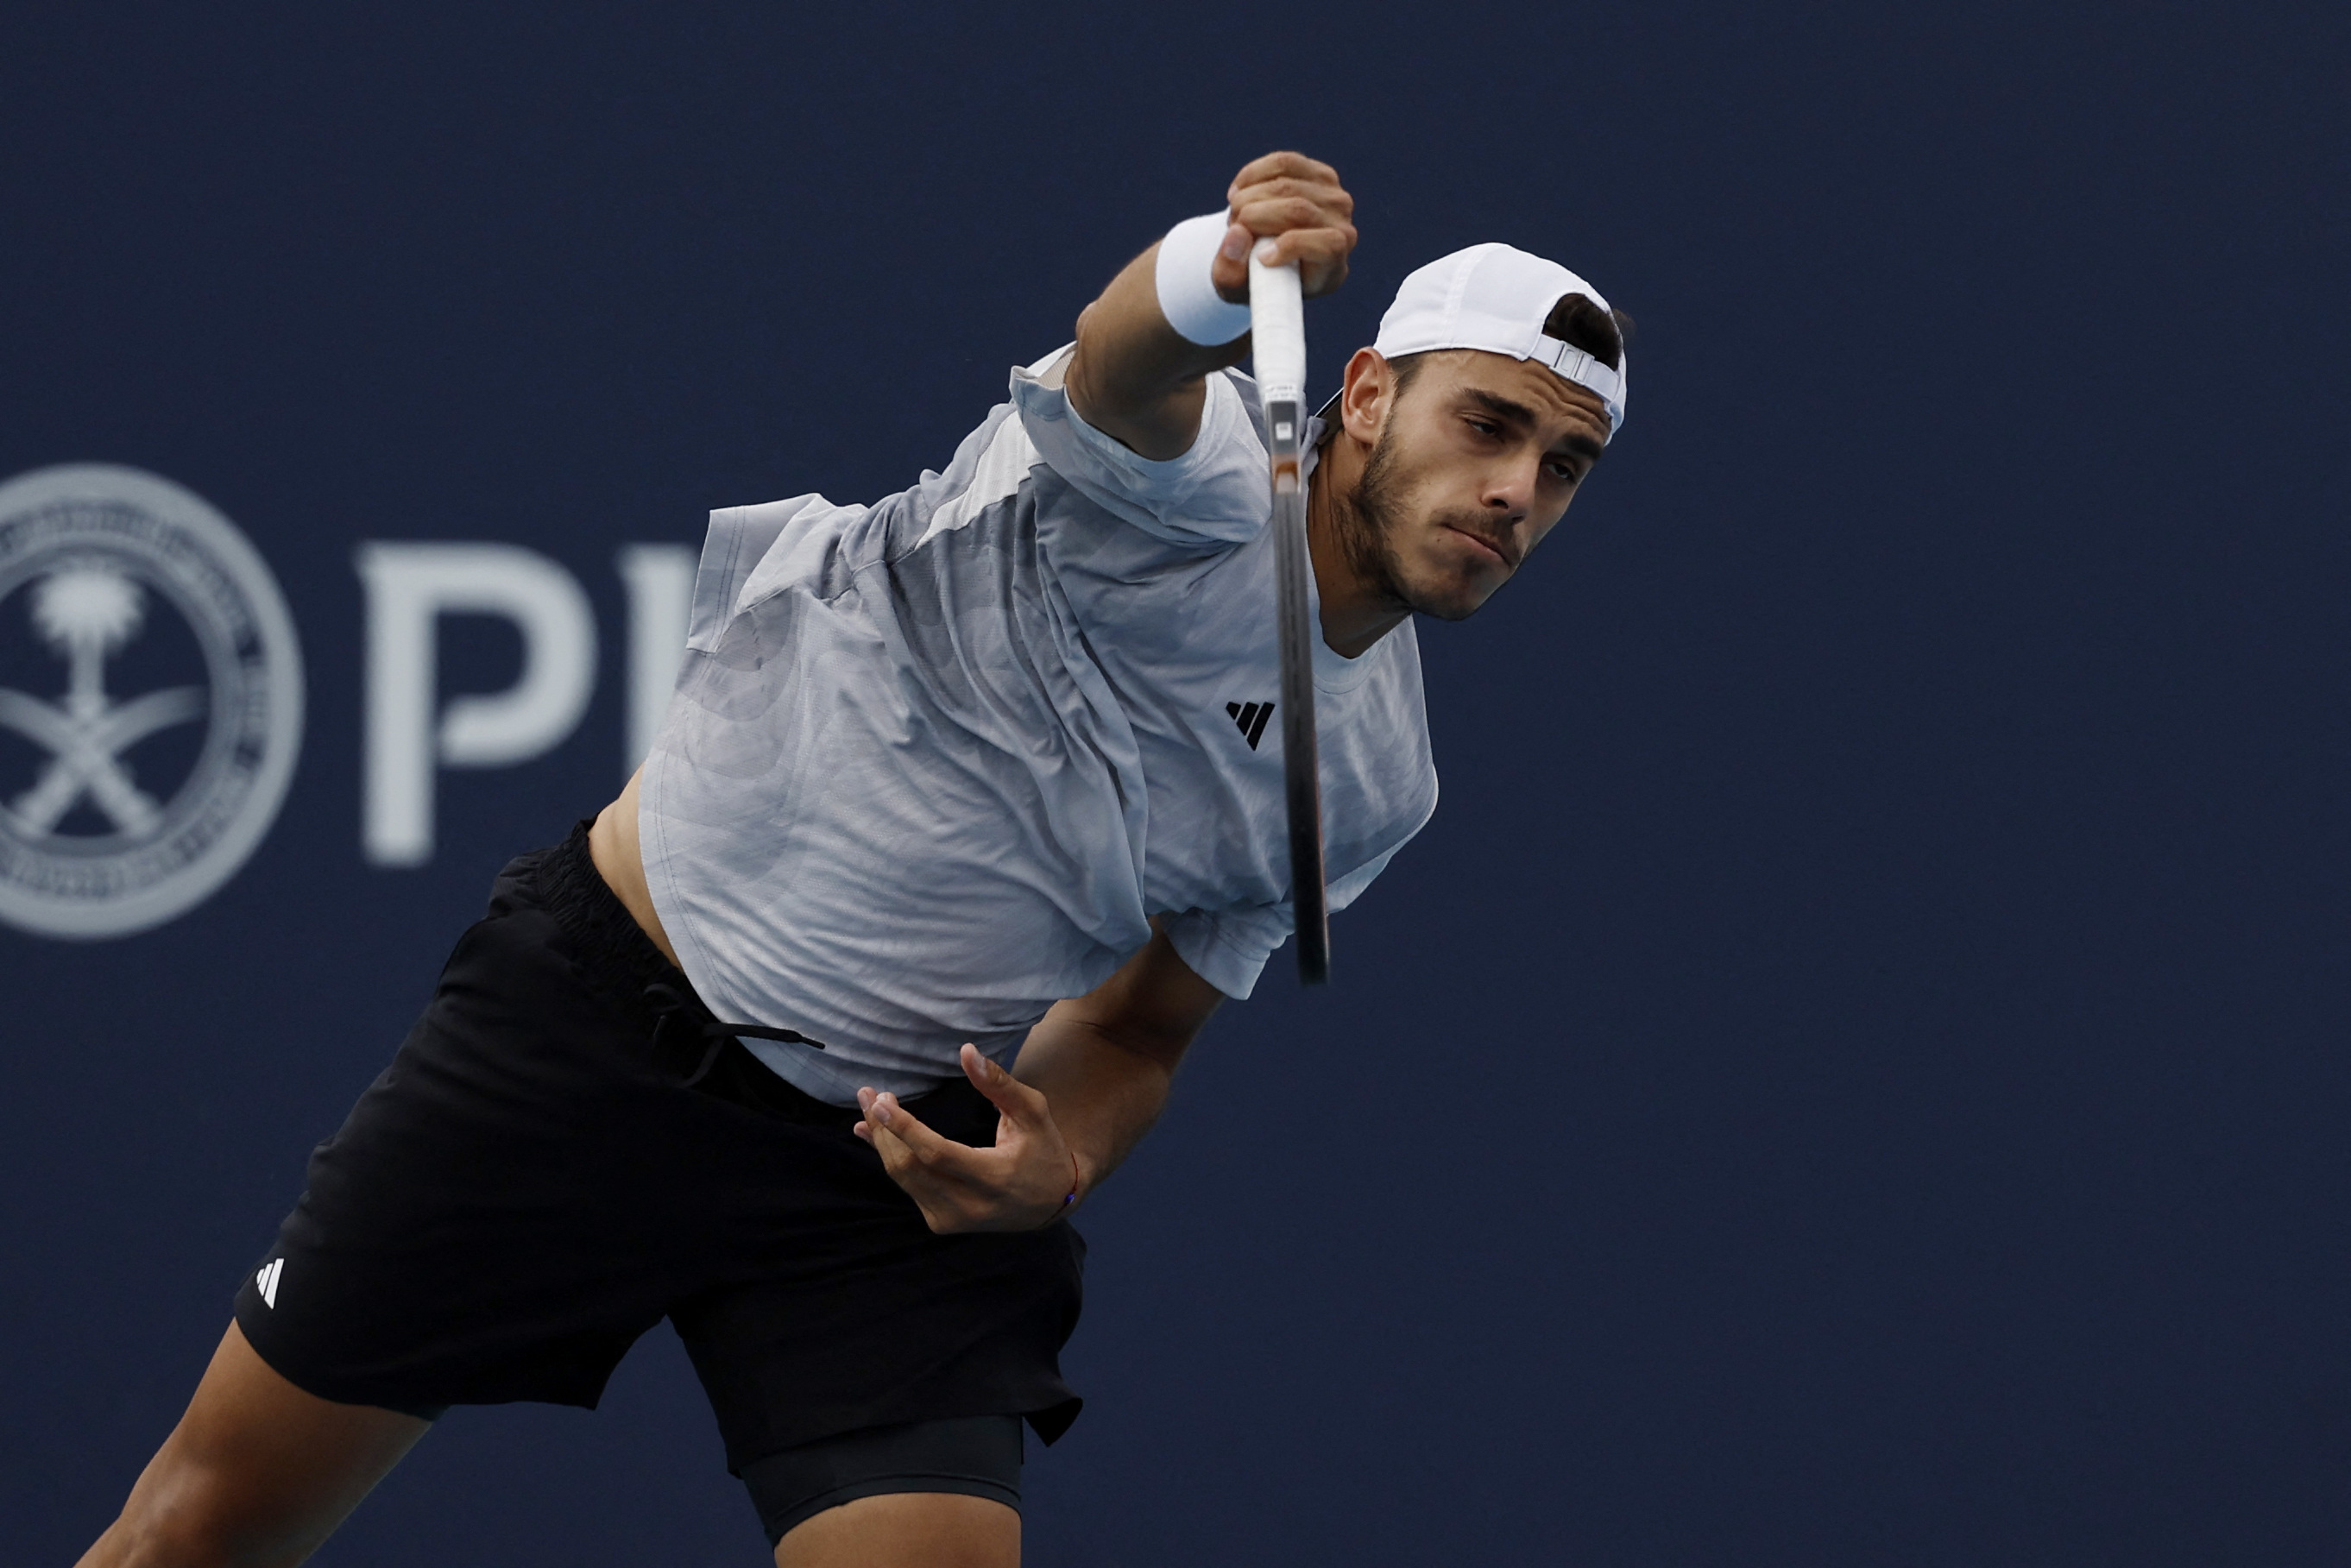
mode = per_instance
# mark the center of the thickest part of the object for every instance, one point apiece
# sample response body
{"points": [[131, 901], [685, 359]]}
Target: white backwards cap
{"points": [[1497, 297]]}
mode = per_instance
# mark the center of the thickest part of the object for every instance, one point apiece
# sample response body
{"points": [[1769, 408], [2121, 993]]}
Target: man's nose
{"points": [[1512, 490]]}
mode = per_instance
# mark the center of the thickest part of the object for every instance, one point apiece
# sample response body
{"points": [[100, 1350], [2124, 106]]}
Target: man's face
{"points": [[1475, 463]]}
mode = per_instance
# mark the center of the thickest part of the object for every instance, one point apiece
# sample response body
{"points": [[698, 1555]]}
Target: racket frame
{"points": [[1278, 346]]}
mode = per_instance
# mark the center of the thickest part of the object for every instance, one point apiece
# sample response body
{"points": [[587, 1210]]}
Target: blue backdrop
{"points": [[1854, 1072]]}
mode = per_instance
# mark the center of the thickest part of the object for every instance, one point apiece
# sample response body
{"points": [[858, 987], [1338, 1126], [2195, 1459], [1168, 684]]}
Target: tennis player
{"points": [[958, 828]]}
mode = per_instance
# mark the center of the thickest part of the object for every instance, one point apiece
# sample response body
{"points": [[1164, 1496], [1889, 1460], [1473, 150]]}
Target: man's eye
{"points": [[1484, 427]]}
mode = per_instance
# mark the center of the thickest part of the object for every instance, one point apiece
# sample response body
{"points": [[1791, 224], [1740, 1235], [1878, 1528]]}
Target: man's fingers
{"points": [[1282, 214], [1298, 202], [1281, 205], [903, 1142], [1321, 252], [1310, 247], [1324, 197], [1281, 165], [956, 1186], [1317, 238], [1320, 255], [1019, 1102], [874, 1131]]}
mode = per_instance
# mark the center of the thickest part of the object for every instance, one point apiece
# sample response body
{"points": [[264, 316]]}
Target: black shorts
{"points": [[532, 1184]]}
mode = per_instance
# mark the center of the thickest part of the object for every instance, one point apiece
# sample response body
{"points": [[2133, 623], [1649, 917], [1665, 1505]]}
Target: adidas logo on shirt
{"points": [[267, 1281], [1251, 717]]}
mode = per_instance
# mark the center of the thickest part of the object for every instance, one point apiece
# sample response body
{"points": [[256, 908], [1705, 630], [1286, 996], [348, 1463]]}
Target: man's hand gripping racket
{"points": [[1277, 341]]}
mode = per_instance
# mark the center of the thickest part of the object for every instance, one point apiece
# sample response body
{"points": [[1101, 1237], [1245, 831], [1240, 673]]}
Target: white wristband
{"points": [[1186, 296]]}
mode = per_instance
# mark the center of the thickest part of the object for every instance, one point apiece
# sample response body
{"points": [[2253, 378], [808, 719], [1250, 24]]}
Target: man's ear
{"points": [[1367, 396]]}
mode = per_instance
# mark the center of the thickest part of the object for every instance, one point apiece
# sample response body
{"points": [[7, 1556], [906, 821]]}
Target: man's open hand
{"points": [[1019, 1185], [1298, 203]]}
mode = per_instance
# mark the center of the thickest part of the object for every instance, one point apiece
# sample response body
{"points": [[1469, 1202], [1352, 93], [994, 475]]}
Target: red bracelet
{"points": [[1074, 1182]]}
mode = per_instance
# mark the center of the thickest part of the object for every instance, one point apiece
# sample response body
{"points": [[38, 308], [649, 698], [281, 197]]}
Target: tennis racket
{"points": [[1277, 341]]}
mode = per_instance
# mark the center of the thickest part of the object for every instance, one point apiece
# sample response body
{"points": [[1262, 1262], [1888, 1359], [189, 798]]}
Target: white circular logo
{"points": [[150, 700]]}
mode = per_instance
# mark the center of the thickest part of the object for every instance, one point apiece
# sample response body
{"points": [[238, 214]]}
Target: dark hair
{"points": [[1575, 321]]}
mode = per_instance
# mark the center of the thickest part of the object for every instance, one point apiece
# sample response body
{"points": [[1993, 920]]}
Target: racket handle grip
{"points": [[1277, 331]]}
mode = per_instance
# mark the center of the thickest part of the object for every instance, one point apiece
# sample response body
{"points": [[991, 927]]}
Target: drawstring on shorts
{"points": [[666, 1001]]}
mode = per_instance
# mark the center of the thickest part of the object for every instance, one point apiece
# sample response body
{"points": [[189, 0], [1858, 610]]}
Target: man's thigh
{"points": [[906, 1530], [916, 1492], [257, 1472]]}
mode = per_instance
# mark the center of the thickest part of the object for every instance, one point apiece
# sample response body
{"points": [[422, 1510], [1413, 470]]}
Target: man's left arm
{"points": [[1090, 1079]]}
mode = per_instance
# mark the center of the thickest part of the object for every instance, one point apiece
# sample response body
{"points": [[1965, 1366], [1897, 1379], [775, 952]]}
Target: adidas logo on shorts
{"points": [[267, 1281]]}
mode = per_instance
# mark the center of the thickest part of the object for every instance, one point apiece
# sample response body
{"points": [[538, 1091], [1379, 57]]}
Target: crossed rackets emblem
{"points": [[86, 612]]}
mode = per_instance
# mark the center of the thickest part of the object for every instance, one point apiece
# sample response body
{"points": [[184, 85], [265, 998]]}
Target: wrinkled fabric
{"points": [[932, 764]]}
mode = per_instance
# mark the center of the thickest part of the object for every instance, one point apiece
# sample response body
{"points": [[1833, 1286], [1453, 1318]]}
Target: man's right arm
{"points": [[1135, 377]]}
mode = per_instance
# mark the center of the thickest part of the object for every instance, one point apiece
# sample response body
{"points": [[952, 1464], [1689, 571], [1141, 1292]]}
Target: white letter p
{"points": [[409, 588]]}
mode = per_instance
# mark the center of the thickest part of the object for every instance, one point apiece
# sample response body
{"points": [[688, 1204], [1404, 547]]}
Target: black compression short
{"points": [[531, 1185], [978, 1456]]}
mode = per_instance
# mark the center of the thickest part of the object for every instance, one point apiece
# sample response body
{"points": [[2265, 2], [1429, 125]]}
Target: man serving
{"points": [[958, 828]]}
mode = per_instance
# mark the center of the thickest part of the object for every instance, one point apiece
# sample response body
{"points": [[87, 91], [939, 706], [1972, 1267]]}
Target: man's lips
{"points": [[1491, 547]]}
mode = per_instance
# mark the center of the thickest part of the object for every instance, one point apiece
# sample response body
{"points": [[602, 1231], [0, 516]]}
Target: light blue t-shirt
{"points": [[933, 763]]}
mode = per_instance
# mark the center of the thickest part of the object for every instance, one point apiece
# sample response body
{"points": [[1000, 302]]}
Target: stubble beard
{"points": [[1367, 519]]}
